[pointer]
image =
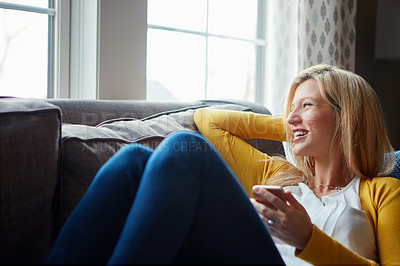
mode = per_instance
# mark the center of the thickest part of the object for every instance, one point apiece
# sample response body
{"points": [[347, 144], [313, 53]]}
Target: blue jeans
{"points": [[177, 204]]}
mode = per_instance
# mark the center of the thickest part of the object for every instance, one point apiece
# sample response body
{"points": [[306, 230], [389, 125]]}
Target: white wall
{"points": [[122, 31]]}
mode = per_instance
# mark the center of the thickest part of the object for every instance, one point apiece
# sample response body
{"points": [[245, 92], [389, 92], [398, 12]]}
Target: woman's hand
{"points": [[291, 223]]}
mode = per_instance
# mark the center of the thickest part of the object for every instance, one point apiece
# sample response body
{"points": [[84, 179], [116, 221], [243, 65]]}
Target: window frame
{"points": [[61, 80], [260, 43]]}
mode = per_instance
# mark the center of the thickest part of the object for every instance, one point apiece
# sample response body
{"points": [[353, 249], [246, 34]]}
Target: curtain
{"points": [[327, 33], [303, 33], [282, 52]]}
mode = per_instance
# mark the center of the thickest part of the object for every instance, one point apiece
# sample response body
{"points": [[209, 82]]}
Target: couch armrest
{"points": [[29, 155]]}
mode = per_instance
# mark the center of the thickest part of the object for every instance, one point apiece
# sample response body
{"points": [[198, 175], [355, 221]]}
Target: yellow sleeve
{"points": [[322, 249], [380, 198], [225, 130]]}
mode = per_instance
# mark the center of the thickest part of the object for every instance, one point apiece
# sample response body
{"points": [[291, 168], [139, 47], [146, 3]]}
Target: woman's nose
{"points": [[293, 118]]}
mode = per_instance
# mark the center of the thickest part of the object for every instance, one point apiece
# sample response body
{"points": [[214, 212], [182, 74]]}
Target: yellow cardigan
{"points": [[380, 197]]}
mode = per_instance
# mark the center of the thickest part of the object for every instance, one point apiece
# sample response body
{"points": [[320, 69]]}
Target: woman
{"points": [[182, 203]]}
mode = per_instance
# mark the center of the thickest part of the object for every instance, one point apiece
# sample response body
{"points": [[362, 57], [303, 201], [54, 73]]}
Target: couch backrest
{"points": [[93, 112], [50, 150]]}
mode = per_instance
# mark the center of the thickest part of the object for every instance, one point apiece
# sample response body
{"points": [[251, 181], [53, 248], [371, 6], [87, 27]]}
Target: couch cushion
{"points": [[30, 136], [86, 148]]}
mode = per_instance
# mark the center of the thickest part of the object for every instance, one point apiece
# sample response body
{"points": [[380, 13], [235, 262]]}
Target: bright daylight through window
{"points": [[205, 49], [26, 47]]}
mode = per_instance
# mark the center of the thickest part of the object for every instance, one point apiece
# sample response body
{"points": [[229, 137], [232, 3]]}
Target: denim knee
{"points": [[187, 141], [130, 159], [133, 150], [185, 150]]}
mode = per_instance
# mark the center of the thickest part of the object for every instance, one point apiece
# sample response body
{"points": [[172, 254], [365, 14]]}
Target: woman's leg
{"points": [[189, 207], [92, 230]]}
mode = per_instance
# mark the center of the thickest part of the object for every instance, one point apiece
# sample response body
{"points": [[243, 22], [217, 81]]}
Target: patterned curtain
{"points": [[282, 55], [303, 33], [327, 33]]}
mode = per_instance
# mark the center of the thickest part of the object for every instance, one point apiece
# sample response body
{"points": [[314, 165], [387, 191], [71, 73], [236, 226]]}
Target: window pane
{"points": [[36, 3], [231, 69], [233, 17], [23, 53], [184, 14], [175, 66]]}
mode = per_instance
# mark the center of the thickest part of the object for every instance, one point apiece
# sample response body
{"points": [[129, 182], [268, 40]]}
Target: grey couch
{"points": [[50, 150]]}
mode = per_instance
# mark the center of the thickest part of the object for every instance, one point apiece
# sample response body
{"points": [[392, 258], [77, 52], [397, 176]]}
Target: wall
{"points": [[122, 30], [383, 75]]}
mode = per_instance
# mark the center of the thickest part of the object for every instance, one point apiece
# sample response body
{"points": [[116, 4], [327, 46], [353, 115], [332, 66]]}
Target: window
{"points": [[26, 48], [206, 49]]}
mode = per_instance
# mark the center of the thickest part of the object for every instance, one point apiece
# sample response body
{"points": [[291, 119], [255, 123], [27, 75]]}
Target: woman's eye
{"points": [[306, 104]]}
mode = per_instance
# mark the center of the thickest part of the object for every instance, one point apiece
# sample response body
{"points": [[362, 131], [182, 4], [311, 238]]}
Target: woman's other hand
{"points": [[290, 221]]}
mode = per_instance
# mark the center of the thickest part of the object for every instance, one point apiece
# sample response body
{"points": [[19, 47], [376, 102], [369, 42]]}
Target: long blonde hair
{"points": [[360, 127]]}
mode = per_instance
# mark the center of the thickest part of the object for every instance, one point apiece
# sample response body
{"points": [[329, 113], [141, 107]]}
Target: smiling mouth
{"points": [[299, 134]]}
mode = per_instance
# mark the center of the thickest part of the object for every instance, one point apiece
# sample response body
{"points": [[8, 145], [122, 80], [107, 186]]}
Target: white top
{"points": [[339, 215]]}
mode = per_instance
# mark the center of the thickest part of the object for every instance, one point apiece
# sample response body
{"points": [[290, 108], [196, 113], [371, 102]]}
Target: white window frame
{"points": [[260, 42], [76, 49], [62, 49]]}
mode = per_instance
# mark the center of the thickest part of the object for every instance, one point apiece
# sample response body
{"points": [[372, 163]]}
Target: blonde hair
{"points": [[360, 127]]}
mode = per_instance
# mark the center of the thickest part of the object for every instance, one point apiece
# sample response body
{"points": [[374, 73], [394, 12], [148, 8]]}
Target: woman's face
{"points": [[311, 121]]}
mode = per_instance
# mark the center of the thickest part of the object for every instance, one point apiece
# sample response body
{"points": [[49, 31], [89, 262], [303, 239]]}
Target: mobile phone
{"points": [[276, 190]]}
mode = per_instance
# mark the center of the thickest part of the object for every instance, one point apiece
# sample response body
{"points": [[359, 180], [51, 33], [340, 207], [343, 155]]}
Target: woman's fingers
{"points": [[286, 219], [292, 201], [295, 218], [266, 197], [268, 205], [265, 211]]}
